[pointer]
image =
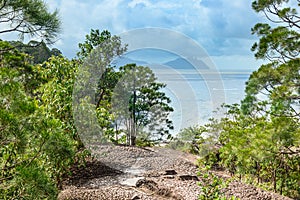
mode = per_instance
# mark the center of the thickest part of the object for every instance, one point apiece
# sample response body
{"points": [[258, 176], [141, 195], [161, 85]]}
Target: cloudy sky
{"points": [[221, 27]]}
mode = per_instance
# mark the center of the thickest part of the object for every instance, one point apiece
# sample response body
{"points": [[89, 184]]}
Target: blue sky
{"points": [[221, 27]]}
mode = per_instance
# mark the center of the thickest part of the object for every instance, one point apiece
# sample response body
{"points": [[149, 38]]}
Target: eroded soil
{"points": [[120, 172]]}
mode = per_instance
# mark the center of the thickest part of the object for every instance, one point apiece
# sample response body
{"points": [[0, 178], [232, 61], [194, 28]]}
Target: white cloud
{"points": [[221, 26]]}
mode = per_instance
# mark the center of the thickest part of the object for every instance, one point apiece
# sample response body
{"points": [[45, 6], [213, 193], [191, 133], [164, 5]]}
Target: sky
{"points": [[221, 27]]}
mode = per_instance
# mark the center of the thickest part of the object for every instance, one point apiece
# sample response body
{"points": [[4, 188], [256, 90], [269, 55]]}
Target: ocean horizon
{"points": [[197, 90], [195, 98]]}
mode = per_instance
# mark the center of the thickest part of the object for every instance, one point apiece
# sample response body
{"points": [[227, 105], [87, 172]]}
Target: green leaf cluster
{"points": [[259, 140], [129, 101], [30, 17], [140, 104], [38, 51], [35, 151], [212, 186]]}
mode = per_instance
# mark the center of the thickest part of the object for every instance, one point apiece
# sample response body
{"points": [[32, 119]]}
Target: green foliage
{"points": [[276, 11], [29, 17], [279, 79], [38, 51], [259, 147], [106, 85], [143, 140], [261, 137], [141, 105], [34, 150], [189, 139], [92, 41], [264, 147], [201, 140], [55, 94], [279, 83], [95, 56], [212, 186], [134, 109]]}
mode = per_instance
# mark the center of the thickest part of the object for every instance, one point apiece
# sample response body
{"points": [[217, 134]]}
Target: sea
{"points": [[196, 92], [198, 97]]}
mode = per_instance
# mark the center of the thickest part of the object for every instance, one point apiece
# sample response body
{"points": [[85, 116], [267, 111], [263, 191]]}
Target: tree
{"points": [[95, 41], [189, 139], [92, 41], [279, 80], [96, 74], [38, 51], [95, 82], [280, 44], [260, 147], [55, 91], [35, 151], [29, 17], [261, 137], [140, 104], [55, 52]]}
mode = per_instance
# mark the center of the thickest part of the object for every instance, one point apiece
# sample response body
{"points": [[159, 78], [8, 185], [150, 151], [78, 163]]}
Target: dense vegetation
{"points": [[38, 51], [39, 139], [29, 17], [37, 146], [259, 140]]}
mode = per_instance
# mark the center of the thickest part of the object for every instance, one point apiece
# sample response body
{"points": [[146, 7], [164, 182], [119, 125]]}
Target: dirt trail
{"points": [[121, 172]]}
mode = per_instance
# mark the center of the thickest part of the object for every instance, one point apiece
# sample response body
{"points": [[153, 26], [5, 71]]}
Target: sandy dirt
{"points": [[120, 172]]}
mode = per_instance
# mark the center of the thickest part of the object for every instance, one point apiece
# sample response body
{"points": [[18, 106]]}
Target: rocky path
{"points": [[121, 172]]}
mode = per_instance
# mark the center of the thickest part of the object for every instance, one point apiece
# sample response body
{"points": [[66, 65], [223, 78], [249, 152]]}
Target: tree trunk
{"points": [[274, 180], [117, 133], [133, 140], [133, 129], [258, 172]]}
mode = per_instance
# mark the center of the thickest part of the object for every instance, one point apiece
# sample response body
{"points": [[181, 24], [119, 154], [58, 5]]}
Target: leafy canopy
{"points": [[140, 104], [29, 17]]}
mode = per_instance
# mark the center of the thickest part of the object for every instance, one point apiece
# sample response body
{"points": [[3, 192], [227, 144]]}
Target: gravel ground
{"points": [[249, 192], [120, 172]]}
